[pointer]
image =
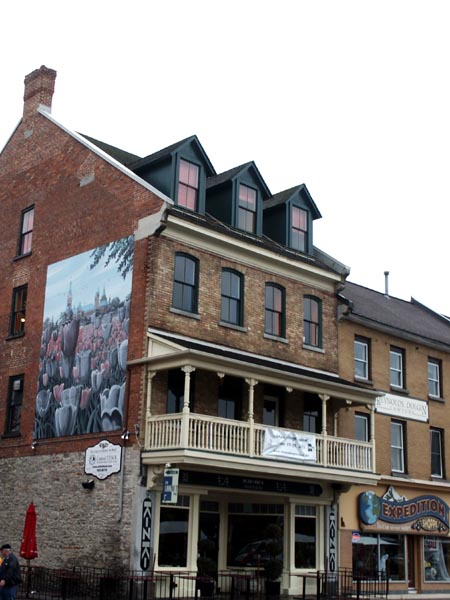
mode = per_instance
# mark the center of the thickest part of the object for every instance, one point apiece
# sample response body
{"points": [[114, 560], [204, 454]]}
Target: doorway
{"points": [[410, 542]]}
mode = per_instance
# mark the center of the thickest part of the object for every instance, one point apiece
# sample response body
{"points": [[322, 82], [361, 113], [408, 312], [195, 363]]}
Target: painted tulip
{"points": [[111, 408], [85, 396], [57, 392], [65, 420], [43, 402], [71, 396], [84, 366], [69, 337], [96, 380], [122, 356]]}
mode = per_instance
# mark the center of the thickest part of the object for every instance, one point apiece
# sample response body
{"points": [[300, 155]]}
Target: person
{"points": [[9, 573]]}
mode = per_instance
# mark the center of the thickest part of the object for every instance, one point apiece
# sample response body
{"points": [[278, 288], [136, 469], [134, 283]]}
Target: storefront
{"points": [[402, 537], [234, 522]]}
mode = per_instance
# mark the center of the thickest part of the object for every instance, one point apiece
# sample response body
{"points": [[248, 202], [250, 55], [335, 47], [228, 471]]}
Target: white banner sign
{"points": [[401, 406], [288, 444]]}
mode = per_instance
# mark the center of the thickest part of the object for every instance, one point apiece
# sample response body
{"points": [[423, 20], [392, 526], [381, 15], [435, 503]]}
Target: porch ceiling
{"points": [[169, 351]]}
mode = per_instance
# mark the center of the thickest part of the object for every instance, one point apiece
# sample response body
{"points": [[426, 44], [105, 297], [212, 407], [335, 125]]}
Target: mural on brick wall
{"points": [[82, 368]]}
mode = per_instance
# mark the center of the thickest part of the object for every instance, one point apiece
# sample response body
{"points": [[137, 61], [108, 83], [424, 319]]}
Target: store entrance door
{"points": [[410, 543]]}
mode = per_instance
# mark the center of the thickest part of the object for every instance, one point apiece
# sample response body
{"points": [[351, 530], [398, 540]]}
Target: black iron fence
{"points": [[40, 583], [343, 584]]}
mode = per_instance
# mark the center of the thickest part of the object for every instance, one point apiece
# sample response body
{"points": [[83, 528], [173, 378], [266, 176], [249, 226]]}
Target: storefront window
{"points": [[248, 543], [436, 553], [173, 534], [305, 537], [379, 555]]}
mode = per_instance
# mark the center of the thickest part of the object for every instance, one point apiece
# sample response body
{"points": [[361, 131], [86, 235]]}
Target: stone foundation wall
{"points": [[75, 526]]}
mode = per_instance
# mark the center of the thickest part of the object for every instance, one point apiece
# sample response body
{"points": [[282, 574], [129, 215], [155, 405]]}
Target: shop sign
{"points": [[146, 535], [170, 486], [425, 513], [400, 406], [332, 539], [289, 445], [254, 484], [103, 459]]}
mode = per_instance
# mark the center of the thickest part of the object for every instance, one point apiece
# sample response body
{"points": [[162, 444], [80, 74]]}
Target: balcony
{"points": [[195, 436]]}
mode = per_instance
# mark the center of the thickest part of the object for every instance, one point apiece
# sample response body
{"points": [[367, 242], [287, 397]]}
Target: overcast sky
{"points": [[351, 98]]}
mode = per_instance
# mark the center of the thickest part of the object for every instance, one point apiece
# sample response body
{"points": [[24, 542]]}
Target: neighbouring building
{"points": [[399, 524]]}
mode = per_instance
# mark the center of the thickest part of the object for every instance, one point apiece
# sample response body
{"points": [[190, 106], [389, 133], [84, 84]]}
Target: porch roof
{"points": [[169, 350]]}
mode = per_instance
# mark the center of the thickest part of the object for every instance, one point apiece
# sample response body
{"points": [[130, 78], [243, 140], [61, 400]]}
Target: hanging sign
{"points": [[103, 459], [170, 486]]}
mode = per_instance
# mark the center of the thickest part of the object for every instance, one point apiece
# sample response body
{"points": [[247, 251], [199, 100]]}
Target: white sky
{"points": [[350, 97]]}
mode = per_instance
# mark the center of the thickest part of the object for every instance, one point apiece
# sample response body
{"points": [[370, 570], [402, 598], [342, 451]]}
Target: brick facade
{"points": [[81, 200]]}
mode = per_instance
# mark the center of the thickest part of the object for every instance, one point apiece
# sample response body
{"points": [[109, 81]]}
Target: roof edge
{"points": [[106, 157]]}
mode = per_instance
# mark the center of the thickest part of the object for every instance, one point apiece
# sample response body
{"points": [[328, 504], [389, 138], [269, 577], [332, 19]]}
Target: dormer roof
{"points": [[290, 195], [235, 172], [169, 151]]}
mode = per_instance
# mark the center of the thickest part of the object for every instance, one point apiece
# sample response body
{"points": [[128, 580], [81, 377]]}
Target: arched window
{"points": [[185, 283], [232, 297], [274, 310], [312, 321]]}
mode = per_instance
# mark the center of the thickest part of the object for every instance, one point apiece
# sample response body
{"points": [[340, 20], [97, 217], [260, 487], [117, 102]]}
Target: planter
{"points": [[206, 587]]}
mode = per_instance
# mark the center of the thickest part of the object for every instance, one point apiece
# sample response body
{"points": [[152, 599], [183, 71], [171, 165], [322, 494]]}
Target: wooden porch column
{"points": [[324, 398], [187, 370], [148, 407], [251, 421]]}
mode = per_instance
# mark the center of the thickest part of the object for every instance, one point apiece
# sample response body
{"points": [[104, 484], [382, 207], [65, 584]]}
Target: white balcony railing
{"points": [[225, 436]]}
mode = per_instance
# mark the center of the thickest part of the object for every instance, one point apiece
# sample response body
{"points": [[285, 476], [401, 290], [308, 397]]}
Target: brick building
{"points": [[171, 348], [401, 349], [64, 198]]}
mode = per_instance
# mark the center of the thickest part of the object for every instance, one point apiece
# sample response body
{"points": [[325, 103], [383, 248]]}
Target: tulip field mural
{"points": [[82, 368]]}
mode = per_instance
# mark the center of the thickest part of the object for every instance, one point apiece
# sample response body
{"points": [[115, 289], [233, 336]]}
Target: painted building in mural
{"points": [[201, 375], [400, 526]]}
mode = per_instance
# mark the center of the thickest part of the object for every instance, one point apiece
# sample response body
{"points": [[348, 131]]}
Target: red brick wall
{"points": [[43, 165]]}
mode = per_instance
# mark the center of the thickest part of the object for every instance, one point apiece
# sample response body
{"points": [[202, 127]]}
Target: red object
{"points": [[28, 547]]}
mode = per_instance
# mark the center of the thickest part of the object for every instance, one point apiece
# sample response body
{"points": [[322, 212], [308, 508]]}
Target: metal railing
{"points": [[343, 583], [40, 583], [244, 438]]}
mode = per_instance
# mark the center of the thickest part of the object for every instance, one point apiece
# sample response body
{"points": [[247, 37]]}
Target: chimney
{"points": [[39, 88], [386, 284]]}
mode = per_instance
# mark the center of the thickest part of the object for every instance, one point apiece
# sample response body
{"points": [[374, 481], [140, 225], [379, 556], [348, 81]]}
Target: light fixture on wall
{"points": [[125, 435], [88, 484], [33, 445]]}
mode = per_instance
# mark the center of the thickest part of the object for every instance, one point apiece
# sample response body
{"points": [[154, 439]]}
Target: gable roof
{"points": [[231, 174], [106, 157], [122, 156], [409, 320], [172, 149], [286, 195]]}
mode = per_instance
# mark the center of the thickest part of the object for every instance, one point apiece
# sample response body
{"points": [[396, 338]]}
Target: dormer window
{"points": [[188, 183], [299, 229], [247, 209]]}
